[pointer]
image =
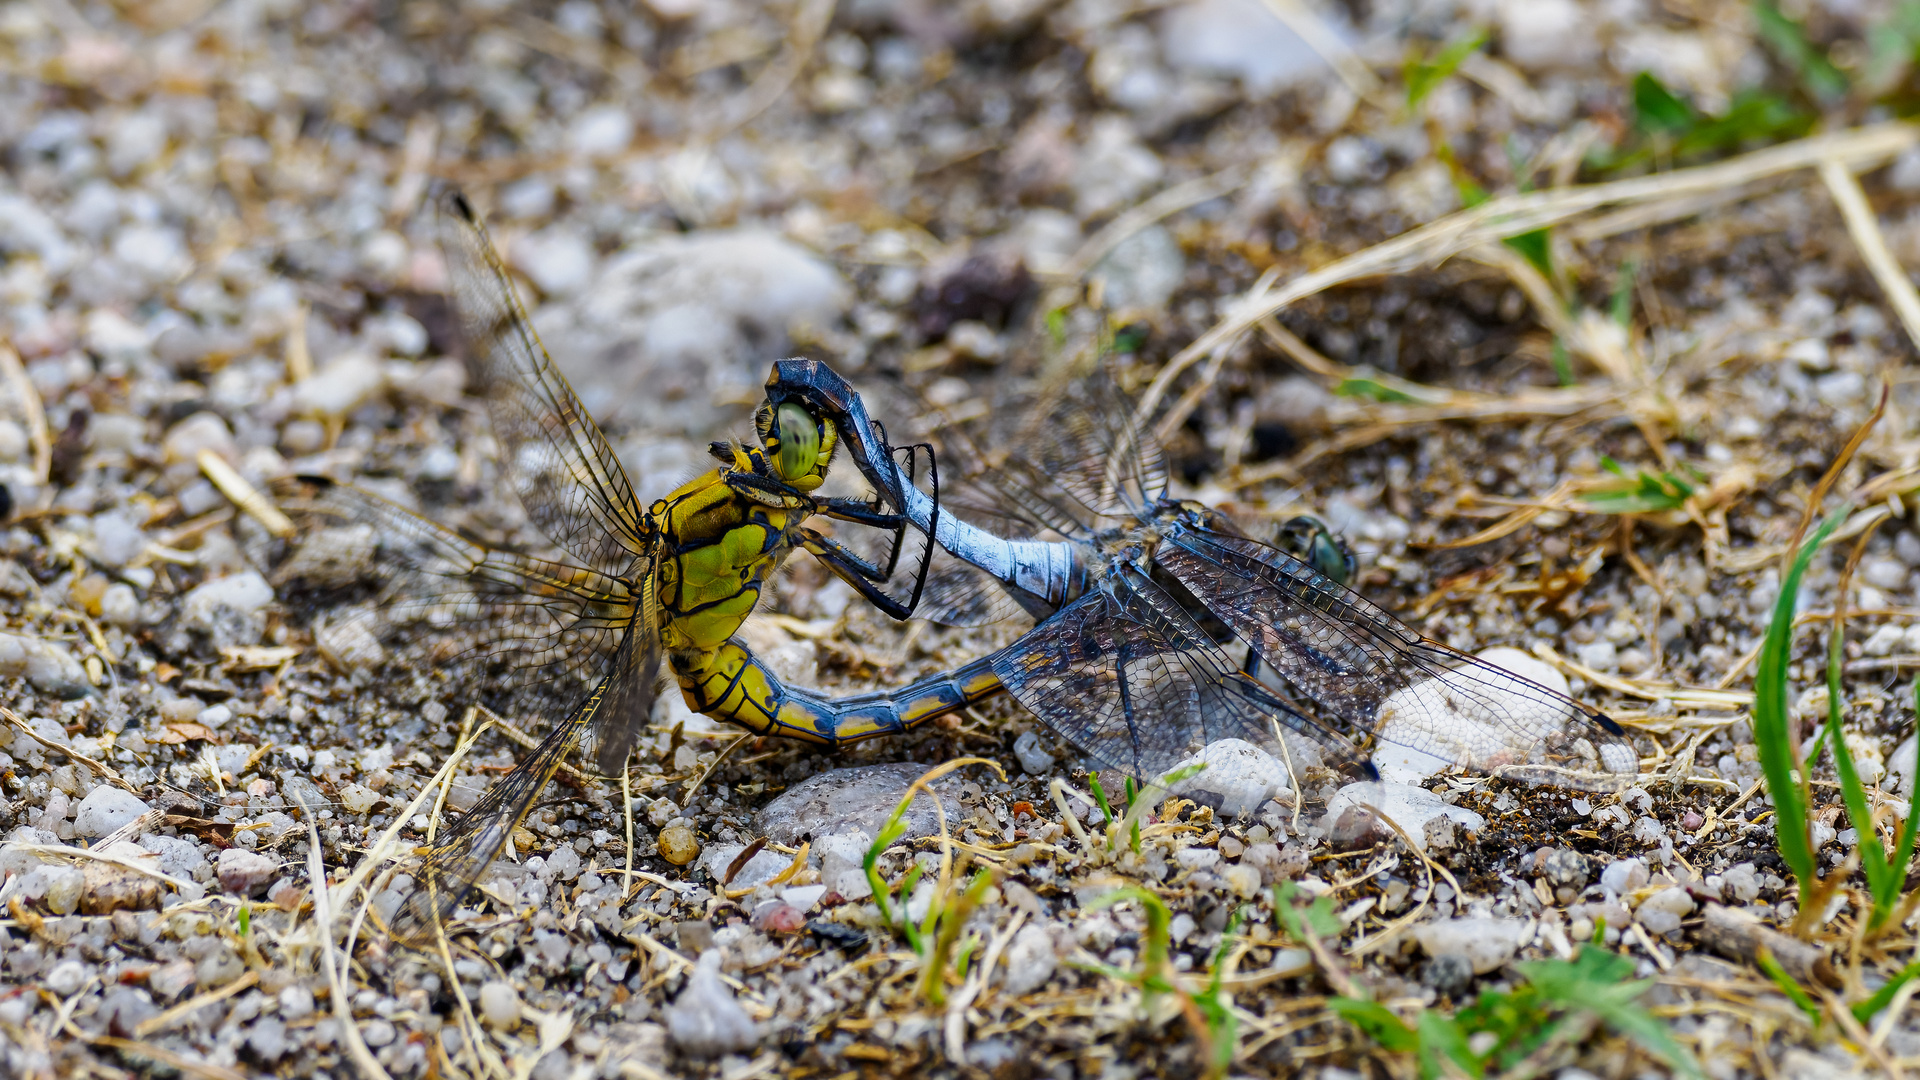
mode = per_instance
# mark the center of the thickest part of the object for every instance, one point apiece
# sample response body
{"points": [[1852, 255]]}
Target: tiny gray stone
{"points": [[296, 1001], [500, 1005], [1624, 876], [65, 886], [246, 873], [705, 1020], [1031, 960], [230, 610], [220, 967], [173, 979], [47, 665], [1142, 271], [1033, 754], [378, 1032], [1485, 941], [1565, 868], [1449, 973], [861, 798]]}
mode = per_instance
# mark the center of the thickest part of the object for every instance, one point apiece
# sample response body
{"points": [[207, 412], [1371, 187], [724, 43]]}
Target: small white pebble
{"points": [[1242, 879], [296, 1001], [500, 1005], [67, 977]]}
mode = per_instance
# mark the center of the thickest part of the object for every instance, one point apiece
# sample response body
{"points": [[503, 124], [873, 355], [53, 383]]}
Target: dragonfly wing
{"points": [[629, 705], [554, 455], [422, 584], [1125, 674], [459, 857], [1082, 462], [1095, 450], [1378, 676]]}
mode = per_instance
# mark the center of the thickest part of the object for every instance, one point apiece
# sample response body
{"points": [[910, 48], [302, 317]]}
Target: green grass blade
{"points": [[1423, 75], [1771, 732], [1376, 1022], [1440, 1035], [1795, 993], [1903, 845], [1873, 858], [1100, 796], [1863, 1011], [1789, 42]]}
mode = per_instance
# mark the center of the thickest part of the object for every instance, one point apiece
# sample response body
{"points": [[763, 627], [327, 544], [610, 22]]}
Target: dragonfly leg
{"points": [[766, 490], [857, 572], [860, 512]]}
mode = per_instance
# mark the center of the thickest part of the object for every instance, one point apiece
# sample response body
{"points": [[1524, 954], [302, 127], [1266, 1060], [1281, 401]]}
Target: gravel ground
{"points": [[219, 257]]}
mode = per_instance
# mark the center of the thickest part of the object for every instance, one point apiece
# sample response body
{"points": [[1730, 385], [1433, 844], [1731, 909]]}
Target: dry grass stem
{"points": [[244, 495], [33, 412], [99, 768], [1511, 215], [1162, 205], [1864, 227], [165, 1020]]}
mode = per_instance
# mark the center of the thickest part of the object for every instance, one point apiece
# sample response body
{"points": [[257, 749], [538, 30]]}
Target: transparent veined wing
{"points": [[554, 455], [554, 629], [1125, 674], [1379, 678], [460, 855]]}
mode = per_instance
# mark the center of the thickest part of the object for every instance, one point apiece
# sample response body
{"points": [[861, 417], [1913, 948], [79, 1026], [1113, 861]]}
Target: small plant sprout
{"points": [[949, 904], [1208, 1012], [1788, 986], [1100, 797], [1138, 807], [1560, 1003], [1885, 876]]}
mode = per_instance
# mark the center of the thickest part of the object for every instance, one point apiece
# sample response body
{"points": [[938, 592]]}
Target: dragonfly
{"points": [[1137, 594], [585, 633]]}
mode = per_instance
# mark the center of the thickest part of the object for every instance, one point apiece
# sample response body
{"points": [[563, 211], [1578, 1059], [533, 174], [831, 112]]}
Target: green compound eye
{"points": [[799, 437]]}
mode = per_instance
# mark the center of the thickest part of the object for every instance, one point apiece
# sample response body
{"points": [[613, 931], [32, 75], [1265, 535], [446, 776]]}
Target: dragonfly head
{"points": [[821, 392], [799, 443], [1310, 540]]}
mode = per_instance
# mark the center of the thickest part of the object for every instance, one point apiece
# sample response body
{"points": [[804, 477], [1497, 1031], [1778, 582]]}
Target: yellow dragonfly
{"points": [[585, 632]]}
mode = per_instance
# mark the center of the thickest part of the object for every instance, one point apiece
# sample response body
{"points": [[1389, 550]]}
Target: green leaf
{"points": [[1771, 732], [1788, 41], [1100, 796], [1788, 986], [1423, 75], [1655, 108], [1440, 1035], [1376, 1023], [1373, 390], [1864, 1011], [1537, 247], [1667, 130], [1596, 981], [1639, 493]]}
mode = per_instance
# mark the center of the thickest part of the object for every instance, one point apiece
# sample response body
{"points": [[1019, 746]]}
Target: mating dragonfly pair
{"points": [[1135, 602]]}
